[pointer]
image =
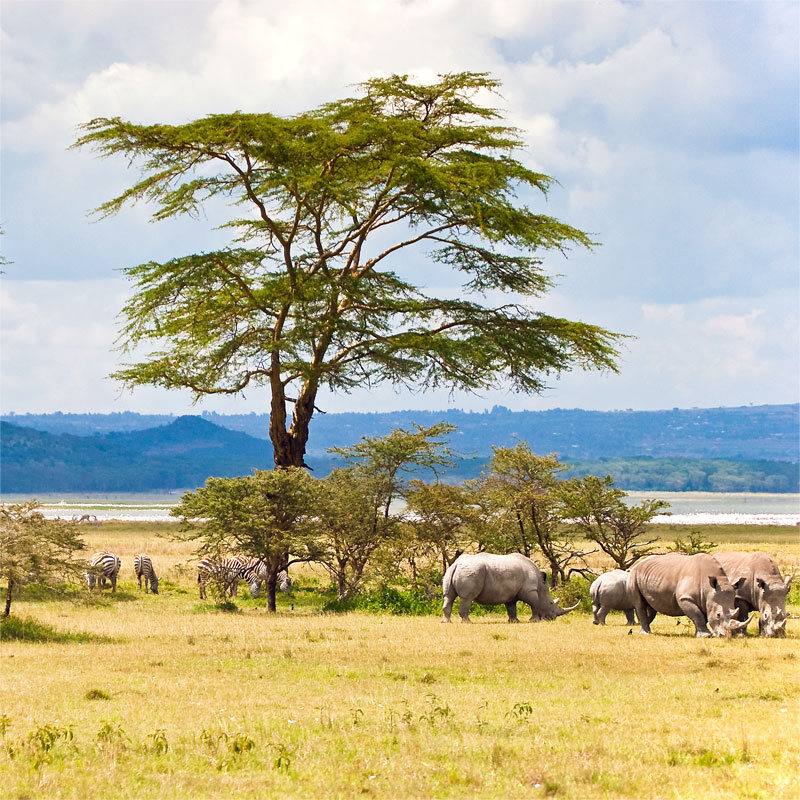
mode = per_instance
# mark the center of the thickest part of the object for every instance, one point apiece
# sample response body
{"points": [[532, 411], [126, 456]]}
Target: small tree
{"points": [[596, 509], [444, 518], [354, 516], [351, 523], [521, 487], [34, 549], [692, 544], [263, 515]]}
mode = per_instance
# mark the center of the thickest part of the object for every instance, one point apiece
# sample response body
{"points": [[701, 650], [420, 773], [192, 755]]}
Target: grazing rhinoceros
{"points": [[679, 585], [763, 590], [609, 592], [492, 579]]}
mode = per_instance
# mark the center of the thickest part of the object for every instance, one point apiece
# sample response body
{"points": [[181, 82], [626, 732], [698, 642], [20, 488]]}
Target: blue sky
{"points": [[671, 127]]}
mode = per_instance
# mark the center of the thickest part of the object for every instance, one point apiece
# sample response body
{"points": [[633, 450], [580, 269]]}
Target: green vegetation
{"points": [[35, 550], [163, 702]]}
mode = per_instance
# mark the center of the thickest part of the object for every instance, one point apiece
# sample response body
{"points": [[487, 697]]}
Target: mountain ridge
{"points": [[188, 449]]}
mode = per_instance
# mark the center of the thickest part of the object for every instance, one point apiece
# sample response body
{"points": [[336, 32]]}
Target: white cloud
{"points": [[672, 128]]}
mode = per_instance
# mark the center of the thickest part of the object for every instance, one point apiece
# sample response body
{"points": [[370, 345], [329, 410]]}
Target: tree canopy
{"points": [[330, 207], [34, 549]]}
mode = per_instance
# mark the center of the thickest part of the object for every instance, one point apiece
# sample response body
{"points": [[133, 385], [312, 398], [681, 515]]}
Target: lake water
{"points": [[686, 508]]}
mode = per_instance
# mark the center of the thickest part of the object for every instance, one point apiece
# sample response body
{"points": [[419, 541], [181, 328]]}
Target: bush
{"points": [[570, 592], [388, 600]]}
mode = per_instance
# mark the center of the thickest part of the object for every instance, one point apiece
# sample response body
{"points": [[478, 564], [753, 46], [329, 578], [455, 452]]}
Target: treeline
{"points": [[348, 523], [694, 475], [750, 433], [184, 453]]}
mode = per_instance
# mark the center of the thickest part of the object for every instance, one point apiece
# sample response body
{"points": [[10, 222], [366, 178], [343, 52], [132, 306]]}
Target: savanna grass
{"points": [[159, 701]]}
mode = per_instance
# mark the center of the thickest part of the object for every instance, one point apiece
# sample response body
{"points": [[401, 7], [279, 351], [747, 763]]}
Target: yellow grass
{"points": [[174, 699]]}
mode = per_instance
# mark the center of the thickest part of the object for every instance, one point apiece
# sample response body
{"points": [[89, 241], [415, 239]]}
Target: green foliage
{"points": [[695, 474], [302, 298], [596, 509], [264, 515], [445, 519], [388, 600], [353, 514], [692, 544], [521, 498], [35, 549], [575, 589], [44, 740]]}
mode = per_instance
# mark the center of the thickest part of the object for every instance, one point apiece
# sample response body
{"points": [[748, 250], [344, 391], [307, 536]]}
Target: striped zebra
{"points": [[254, 572], [223, 571], [102, 567], [143, 567]]}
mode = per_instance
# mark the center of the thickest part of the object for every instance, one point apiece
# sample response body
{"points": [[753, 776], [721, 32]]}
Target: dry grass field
{"points": [[141, 696]]}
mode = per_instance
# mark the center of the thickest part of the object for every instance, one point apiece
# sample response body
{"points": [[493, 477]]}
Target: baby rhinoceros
{"points": [[761, 588], [609, 592]]}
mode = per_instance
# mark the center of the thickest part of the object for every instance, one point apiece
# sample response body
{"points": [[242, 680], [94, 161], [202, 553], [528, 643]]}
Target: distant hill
{"points": [[175, 456], [768, 432], [184, 452]]}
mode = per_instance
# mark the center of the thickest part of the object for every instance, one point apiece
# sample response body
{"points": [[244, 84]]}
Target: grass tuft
{"points": [[23, 629]]}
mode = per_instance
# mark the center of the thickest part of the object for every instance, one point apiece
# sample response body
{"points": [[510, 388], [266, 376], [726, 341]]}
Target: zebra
{"points": [[224, 571], [143, 567], [254, 572], [103, 566]]}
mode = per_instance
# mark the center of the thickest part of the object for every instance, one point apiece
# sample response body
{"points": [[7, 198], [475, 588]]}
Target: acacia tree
{"points": [[332, 202], [445, 518], [263, 515], [353, 515], [596, 509], [521, 488], [34, 549]]}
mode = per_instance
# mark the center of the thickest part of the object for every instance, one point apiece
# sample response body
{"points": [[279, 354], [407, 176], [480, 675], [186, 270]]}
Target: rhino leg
{"points": [[629, 616], [463, 609], [696, 615], [447, 607], [644, 612], [596, 614], [511, 610]]}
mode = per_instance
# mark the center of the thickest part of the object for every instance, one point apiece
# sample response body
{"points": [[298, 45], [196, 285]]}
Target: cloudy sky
{"points": [[671, 127]]}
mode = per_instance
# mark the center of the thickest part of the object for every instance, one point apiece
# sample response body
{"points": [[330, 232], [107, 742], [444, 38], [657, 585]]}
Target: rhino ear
{"points": [[738, 585], [713, 581]]}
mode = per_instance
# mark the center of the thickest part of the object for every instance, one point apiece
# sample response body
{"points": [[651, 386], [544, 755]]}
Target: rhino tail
{"points": [[447, 581]]}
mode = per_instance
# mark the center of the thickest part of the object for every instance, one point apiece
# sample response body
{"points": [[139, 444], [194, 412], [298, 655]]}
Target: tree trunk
{"points": [[271, 586], [289, 446], [8, 596]]}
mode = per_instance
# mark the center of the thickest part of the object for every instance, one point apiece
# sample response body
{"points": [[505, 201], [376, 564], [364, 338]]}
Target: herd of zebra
{"points": [[224, 572]]}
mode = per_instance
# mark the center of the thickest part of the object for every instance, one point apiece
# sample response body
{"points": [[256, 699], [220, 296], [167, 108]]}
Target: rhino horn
{"points": [[737, 626], [562, 611]]}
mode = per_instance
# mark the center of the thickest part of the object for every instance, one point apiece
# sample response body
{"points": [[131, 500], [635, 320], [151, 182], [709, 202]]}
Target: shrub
{"points": [[388, 600]]}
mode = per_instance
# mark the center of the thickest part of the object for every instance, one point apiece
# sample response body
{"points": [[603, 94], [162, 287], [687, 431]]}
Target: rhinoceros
{"points": [[679, 585], [763, 590], [492, 579], [609, 592]]}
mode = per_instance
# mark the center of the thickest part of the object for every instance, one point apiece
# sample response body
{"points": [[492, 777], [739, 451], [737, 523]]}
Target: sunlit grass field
{"points": [[166, 696]]}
